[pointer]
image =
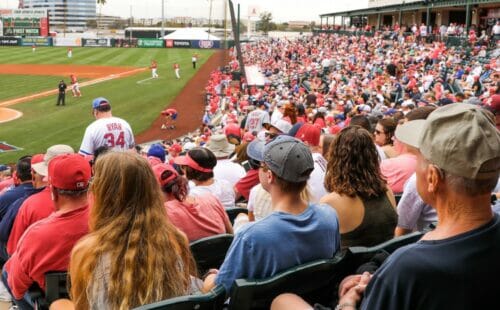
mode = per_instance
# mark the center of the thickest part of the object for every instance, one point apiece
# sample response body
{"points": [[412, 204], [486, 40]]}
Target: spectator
{"points": [[297, 232], [384, 131], [22, 181], [257, 118], [108, 266], [106, 130], [69, 177], [225, 169], [198, 217], [364, 203], [310, 135], [198, 165], [40, 205]]}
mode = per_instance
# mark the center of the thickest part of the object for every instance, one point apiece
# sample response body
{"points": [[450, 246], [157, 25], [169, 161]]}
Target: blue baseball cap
{"points": [[255, 150], [99, 102], [158, 151]]}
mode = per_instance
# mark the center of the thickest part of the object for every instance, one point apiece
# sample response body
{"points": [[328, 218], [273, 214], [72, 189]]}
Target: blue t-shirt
{"points": [[280, 241], [451, 273], [12, 195]]}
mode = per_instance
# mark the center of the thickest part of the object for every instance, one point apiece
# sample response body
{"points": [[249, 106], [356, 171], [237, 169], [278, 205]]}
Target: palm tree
{"points": [[101, 3]]}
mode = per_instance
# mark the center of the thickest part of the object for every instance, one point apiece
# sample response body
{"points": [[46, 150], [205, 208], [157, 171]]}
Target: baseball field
{"points": [[30, 119]]}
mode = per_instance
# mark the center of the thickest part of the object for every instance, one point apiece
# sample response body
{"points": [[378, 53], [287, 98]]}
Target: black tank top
{"points": [[379, 221]]}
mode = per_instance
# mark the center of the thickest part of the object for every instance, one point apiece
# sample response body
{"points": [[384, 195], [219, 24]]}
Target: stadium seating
{"points": [[233, 212], [360, 255], [56, 287], [212, 300], [210, 252], [398, 198], [315, 282]]}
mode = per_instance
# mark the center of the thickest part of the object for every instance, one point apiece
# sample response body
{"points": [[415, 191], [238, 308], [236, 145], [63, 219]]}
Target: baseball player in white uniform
{"points": [[106, 130]]}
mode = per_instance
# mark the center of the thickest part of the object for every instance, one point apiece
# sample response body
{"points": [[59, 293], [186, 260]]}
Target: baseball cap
{"points": [[459, 138], [58, 149], [309, 134], [282, 125], [3, 168], [494, 104], [157, 151], [255, 150], [37, 158], [289, 159], [232, 129], [295, 128], [162, 175], [69, 172], [176, 147], [100, 102]]}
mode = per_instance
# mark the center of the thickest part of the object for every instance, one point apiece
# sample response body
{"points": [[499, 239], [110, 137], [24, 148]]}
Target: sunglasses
{"points": [[271, 135]]}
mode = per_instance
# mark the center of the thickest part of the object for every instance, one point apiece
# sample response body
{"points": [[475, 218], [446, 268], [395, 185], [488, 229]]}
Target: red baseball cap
{"points": [[309, 134], [37, 158], [69, 172], [232, 129], [176, 147], [164, 173]]}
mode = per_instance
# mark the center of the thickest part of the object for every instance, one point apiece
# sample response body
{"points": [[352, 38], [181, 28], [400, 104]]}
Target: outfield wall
{"points": [[110, 42]]}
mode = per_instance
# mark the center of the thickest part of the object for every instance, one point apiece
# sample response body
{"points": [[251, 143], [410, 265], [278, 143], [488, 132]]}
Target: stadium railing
{"points": [[56, 287]]}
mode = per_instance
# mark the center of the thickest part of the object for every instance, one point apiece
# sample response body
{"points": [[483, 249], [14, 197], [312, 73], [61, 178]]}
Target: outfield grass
{"points": [[44, 124], [12, 85]]}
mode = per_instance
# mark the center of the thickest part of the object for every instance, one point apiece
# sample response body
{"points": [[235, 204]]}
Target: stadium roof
{"points": [[408, 7], [190, 34]]}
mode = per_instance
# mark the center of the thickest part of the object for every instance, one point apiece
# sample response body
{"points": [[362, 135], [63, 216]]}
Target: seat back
{"points": [[233, 212], [56, 286], [212, 300], [210, 252], [315, 282], [359, 255]]}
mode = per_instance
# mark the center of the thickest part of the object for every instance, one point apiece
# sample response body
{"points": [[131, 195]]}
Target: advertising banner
{"points": [[178, 43], [67, 41], [205, 44], [38, 41], [10, 41], [150, 43], [96, 42]]}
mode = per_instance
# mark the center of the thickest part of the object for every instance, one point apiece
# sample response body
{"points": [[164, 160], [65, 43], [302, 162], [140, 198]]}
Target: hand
{"points": [[355, 293]]}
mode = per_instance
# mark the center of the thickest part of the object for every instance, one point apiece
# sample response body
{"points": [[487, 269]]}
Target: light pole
{"points": [[162, 18]]}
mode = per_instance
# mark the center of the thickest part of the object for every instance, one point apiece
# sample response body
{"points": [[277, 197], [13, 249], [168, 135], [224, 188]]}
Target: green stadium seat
{"points": [[316, 281], [212, 300], [233, 212], [210, 252], [360, 255], [56, 287]]}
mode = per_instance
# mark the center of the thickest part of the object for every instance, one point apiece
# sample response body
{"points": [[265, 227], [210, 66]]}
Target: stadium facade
{"points": [[378, 13], [65, 15]]}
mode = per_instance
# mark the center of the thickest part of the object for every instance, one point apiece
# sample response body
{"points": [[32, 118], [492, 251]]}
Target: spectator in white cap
{"points": [[295, 233], [225, 169]]}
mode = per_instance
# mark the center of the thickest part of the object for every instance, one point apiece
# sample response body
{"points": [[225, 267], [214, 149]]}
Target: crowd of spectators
{"points": [[343, 125]]}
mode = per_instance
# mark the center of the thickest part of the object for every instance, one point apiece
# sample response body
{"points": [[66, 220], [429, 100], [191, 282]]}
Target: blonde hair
{"points": [[149, 258]]}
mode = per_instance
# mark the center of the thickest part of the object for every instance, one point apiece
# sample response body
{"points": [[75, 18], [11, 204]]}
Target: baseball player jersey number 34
{"points": [[112, 132]]}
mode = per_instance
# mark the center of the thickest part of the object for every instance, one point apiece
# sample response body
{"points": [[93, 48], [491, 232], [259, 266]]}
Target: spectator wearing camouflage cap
{"points": [[296, 233]]}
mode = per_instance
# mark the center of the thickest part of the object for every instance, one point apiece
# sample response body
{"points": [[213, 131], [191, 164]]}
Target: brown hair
{"points": [[178, 187], [148, 258], [420, 113], [389, 125], [353, 167], [291, 112]]}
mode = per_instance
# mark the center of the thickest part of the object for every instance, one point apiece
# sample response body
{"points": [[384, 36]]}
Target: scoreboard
{"points": [[24, 22]]}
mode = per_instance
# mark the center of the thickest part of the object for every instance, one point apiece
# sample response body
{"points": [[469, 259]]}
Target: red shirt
{"points": [[33, 209], [205, 218], [45, 246], [73, 79], [154, 65], [246, 183], [176, 66]]}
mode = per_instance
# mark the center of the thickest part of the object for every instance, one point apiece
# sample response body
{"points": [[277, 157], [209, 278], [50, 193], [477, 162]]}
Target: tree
{"points": [[91, 23], [264, 23]]}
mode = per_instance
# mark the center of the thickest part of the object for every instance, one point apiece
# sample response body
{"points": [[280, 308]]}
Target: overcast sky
{"points": [[282, 10]]}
